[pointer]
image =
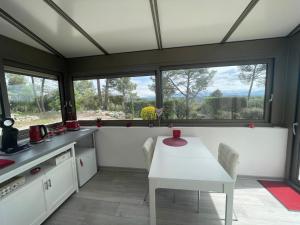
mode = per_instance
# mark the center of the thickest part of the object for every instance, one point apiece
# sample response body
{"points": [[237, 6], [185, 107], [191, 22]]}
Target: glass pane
{"points": [[33, 100], [230, 92], [115, 98]]}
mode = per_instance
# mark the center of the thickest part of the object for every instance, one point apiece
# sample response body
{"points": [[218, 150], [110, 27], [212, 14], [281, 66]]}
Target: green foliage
{"points": [[252, 113], [23, 99], [85, 95], [174, 109], [217, 93], [253, 74], [187, 83], [15, 79]]}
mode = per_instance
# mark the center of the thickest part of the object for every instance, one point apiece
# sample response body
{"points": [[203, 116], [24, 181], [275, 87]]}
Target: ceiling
{"points": [[77, 28]]}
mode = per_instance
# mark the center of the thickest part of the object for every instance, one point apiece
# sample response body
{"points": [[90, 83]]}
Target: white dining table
{"points": [[189, 167]]}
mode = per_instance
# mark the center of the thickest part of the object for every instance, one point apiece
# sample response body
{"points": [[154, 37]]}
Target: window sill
{"points": [[190, 123]]}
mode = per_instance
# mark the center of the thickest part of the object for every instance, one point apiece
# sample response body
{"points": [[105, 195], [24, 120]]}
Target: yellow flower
{"points": [[148, 113]]}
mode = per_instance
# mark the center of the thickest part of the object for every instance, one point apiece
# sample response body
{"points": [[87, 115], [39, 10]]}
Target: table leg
{"points": [[229, 206], [152, 203]]}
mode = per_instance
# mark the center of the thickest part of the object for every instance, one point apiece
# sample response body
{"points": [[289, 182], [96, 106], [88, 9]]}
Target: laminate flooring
{"points": [[116, 198]]}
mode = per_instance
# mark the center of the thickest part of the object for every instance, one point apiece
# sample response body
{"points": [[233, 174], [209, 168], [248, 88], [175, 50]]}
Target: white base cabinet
{"points": [[36, 200], [26, 206], [59, 185], [86, 164]]}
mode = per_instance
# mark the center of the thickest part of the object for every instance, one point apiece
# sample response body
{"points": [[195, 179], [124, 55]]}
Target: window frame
{"points": [[157, 71], [113, 76], [225, 122], [34, 72]]}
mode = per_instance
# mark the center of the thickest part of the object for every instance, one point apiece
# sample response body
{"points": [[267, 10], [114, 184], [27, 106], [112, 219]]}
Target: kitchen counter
{"points": [[44, 148]]}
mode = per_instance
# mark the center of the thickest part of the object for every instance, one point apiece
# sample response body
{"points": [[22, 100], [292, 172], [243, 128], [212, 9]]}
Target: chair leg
{"points": [[146, 195], [198, 202], [236, 218]]}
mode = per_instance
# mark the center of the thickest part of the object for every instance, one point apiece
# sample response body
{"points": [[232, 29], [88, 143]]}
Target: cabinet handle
{"points": [[49, 182], [81, 163]]}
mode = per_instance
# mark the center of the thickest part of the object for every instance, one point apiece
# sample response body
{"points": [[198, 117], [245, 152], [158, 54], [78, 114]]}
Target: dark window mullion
{"points": [[158, 91], [4, 94], [269, 92]]}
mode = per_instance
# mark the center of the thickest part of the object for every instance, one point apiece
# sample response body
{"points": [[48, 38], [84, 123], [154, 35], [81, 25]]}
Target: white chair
{"points": [[229, 159], [148, 149]]}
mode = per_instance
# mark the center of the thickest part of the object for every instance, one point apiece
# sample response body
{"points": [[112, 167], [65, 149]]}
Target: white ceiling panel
{"points": [[118, 26], [195, 22], [8, 30], [268, 19], [49, 26]]}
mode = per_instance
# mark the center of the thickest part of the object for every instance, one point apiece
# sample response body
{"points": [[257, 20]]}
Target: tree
{"points": [[85, 95], [42, 103], [125, 87], [168, 89], [99, 92], [217, 94], [188, 83], [35, 94], [15, 79], [110, 83], [251, 73]]}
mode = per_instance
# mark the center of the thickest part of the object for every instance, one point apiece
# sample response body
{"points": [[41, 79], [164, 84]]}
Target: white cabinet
{"points": [[26, 206], [86, 164], [59, 184], [37, 199]]}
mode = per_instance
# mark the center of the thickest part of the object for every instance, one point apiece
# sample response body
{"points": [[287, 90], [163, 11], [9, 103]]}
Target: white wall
{"points": [[262, 150]]}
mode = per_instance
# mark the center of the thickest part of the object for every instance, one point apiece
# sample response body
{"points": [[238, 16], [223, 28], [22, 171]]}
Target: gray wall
{"points": [[23, 54], [15, 53], [275, 49]]}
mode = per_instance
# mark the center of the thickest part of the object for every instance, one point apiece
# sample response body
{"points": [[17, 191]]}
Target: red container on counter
{"points": [[72, 125]]}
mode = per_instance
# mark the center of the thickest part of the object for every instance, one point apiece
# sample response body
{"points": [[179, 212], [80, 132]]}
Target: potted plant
{"points": [[149, 113], [99, 122]]}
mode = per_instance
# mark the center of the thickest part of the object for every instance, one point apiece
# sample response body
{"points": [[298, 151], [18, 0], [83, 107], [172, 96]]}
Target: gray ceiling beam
{"points": [[155, 17], [294, 31], [57, 9], [244, 14], [28, 32]]}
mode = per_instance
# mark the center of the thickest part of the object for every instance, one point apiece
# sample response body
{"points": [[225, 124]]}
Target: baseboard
{"points": [[260, 177], [121, 169]]}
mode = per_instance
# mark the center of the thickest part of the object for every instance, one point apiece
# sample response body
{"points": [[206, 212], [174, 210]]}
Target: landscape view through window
{"points": [[33, 100], [114, 98], [221, 93], [230, 92]]}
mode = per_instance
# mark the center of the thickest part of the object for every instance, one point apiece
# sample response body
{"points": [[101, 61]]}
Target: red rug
{"points": [[284, 193]]}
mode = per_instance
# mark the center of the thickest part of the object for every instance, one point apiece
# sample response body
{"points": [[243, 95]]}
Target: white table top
{"points": [[190, 162]]}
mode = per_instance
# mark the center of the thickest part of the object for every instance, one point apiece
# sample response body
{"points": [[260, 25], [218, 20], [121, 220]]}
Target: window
{"points": [[33, 100], [114, 98], [216, 93]]}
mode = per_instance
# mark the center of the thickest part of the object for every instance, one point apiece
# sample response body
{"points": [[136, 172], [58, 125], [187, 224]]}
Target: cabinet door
{"points": [[60, 185], [86, 166], [26, 206]]}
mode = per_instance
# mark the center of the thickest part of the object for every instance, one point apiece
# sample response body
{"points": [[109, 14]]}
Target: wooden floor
{"points": [[116, 198]]}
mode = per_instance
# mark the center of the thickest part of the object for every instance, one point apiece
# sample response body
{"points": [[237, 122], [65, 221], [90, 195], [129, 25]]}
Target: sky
{"points": [[226, 79]]}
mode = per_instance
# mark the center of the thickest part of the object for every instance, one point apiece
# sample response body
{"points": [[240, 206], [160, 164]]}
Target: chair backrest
{"points": [[229, 159], [148, 149]]}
